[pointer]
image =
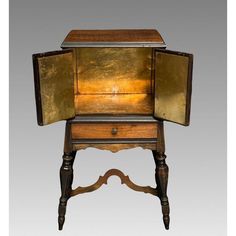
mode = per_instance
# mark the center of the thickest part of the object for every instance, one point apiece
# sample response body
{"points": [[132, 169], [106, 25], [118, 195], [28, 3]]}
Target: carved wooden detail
{"points": [[124, 180], [115, 147]]}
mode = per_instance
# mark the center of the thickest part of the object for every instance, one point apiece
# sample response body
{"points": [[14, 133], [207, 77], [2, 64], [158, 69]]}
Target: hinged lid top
{"points": [[114, 38]]}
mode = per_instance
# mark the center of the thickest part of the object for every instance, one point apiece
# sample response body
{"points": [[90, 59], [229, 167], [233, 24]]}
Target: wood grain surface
{"points": [[113, 130], [118, 35]]}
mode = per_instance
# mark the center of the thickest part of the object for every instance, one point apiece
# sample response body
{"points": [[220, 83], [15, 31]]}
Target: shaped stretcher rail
{"points": [[124, 180]]}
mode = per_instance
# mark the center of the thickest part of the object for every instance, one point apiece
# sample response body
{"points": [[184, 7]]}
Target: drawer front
{"points": [[113, 130]]}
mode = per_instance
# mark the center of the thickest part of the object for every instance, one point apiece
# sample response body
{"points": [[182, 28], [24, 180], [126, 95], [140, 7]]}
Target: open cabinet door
{"points": [[173, 86], [54, 86]]}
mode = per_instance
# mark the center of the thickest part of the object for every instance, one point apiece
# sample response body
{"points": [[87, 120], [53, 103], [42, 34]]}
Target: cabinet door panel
{"points": [[54, 86], [173, 86]]}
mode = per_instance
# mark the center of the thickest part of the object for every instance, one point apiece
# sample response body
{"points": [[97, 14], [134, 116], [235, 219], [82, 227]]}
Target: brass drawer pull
{"points": [[114, 131]]}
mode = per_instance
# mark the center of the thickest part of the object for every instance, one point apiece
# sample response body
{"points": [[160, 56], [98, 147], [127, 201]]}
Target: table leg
{"points": [[161, 176], [66, 179]]}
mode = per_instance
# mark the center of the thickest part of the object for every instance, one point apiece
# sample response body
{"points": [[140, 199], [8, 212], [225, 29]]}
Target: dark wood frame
{"points": [[113, 38], [70, 149]]}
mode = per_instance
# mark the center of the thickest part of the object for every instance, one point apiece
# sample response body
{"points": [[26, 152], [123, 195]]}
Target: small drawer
{"points": [[113, 130]]}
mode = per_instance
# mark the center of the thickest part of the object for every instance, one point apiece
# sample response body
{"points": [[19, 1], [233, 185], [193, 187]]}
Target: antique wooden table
{"points": [[115, 88]]}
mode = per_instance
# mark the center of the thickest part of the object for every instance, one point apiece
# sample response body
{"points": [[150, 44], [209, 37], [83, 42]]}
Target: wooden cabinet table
{"points": [[114, 88]]}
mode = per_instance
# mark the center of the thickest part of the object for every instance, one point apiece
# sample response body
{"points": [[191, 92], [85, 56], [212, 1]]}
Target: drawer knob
{"points": [[114, 131]]}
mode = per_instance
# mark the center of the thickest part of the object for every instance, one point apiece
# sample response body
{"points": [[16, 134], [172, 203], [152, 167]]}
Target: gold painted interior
{"points": [[114, 104], [113, 70], [171, 87], [56, 85], [113, 81]]}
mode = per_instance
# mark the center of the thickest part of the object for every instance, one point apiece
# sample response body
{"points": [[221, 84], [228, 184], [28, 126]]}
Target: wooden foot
{"points": [[161, 176], [66, 179]]}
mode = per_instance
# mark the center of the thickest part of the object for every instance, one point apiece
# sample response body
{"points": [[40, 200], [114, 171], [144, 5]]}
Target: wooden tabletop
{"points": [[114, 37]]}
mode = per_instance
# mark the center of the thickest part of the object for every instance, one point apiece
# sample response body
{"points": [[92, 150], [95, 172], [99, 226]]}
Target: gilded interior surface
{"points": [[171, 87], [114, 104], [56, 85], [114, 70]]}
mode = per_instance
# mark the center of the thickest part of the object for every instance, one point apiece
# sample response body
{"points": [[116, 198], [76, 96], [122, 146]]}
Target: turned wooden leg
{"points": [[161, 176], [66, 179]]}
